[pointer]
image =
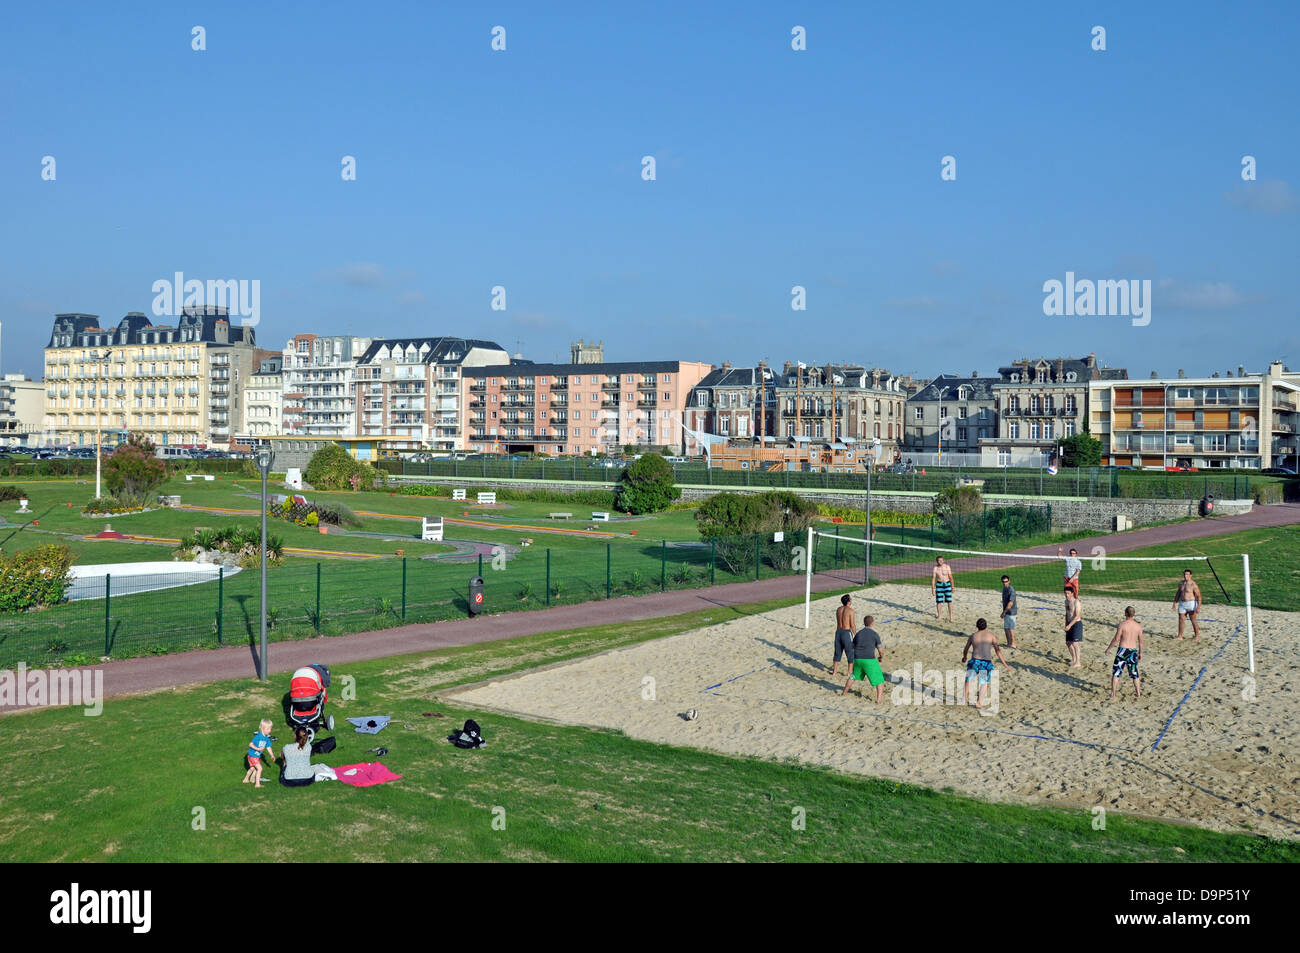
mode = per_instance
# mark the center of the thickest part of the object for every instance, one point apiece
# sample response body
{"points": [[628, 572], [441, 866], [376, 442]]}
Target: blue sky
{"points": [[775, 168]]}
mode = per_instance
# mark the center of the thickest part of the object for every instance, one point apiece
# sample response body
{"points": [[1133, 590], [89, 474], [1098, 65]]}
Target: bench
{"points": [[458, 494], [561, 516], [199, 476], [488, 498], [600, 515]]}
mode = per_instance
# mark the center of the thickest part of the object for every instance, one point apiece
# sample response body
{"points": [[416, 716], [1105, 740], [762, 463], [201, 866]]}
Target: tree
{"points": [[646, 486], [332, 468], [955, 505], [733, 519], [133, 467], [1081, 450]]}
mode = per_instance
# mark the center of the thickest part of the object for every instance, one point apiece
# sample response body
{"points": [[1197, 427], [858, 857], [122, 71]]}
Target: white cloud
{"points": [[1268, 196]]}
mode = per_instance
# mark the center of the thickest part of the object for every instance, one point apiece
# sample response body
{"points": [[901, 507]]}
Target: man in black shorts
{"points": [[844, 628], [1073, 627]]}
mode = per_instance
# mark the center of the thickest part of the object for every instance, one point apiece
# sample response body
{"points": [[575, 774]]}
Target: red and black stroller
{"points": [[307, 697]]}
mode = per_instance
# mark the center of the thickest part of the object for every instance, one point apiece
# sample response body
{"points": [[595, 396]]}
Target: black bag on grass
{"points": [[468, 737]]}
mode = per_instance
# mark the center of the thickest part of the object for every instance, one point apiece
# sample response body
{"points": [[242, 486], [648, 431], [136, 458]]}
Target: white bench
{"points": [[199, 476], [431, 529], [561, 516], [458, 494], [600, 515], [487, 497]]}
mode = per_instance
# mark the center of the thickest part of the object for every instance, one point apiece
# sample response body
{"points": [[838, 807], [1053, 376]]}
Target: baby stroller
{"points": [[307, 698]]}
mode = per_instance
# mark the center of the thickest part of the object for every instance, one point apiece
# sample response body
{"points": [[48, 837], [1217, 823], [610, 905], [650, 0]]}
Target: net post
{"points": [[807, 580], [1250, 616]]}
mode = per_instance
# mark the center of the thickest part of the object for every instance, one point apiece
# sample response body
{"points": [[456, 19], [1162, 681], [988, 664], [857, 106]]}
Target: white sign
{"points": [[778, 537], [600, 515], [488, 497], [432, 529], [293, 478]]}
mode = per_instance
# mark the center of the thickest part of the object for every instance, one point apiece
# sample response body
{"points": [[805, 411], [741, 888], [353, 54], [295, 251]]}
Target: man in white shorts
{"points": [[1188, 603]]}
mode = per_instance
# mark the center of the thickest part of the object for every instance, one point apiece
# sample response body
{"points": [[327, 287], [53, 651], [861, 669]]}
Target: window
{"points": [[1004, 458], [961, 413], [1033, 404], [1013, 430], [1035, 429], [1049, 430], [877, 407], [920, 413], [961, 433], [943, 413]]}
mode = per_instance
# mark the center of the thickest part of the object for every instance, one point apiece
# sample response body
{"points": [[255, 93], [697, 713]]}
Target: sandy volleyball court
{"points": [[762, 687]]}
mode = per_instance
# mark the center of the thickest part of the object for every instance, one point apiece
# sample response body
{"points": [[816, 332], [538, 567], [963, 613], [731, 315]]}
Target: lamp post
{"points": [[99, 420], [264, 467]]}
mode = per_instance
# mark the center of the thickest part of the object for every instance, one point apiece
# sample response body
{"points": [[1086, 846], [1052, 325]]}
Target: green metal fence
{"points": [[1091, 482], [337, 597]]}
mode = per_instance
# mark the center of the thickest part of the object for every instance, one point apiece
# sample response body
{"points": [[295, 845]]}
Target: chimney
{"points": [[1181, 373], [1060, 369], [974, 375], [1241, 370], [726, 365], [1227, 373], [1092, 359], [1215, 375], [1155, 376]]}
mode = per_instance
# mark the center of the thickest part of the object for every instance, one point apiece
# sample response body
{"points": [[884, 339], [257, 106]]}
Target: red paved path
{"points": [[170, 671]]}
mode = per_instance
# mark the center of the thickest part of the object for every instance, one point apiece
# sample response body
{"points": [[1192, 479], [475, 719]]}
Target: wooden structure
{"points": [[792, 453]]}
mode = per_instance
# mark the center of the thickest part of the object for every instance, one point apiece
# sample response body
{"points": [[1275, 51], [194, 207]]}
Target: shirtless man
{"points": [[844, 629], [1072, 569], [941, 587], [1129, 636], [1073, 627], [981, 647], [1188, 603]]}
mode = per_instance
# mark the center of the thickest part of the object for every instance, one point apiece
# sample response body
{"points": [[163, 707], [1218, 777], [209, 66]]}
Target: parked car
{"points": [[1278, 471]]}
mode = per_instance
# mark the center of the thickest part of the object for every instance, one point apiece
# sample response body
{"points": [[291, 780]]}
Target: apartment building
{"points": [[410, 389], [578, 408], [1247, 421], [837, 402], [952, 414], [731, 402], [178, 385], [319, 384], [1039, 403], [264, 399], [22, 410]]}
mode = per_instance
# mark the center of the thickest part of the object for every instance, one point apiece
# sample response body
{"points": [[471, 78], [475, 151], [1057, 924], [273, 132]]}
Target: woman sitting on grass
{"points": [[297, 760]]}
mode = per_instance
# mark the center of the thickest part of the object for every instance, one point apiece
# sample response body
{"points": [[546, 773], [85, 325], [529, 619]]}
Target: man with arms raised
{"points": [[941, 586], [1129, 636], [1188, 603]]}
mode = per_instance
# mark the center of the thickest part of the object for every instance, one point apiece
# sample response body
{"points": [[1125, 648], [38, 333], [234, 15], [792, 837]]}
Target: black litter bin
{"points": [[475, 596], [1207, 504]]}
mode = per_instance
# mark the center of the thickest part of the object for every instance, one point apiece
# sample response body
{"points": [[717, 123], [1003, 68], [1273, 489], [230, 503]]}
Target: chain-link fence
{"points": [[1090, 482]]}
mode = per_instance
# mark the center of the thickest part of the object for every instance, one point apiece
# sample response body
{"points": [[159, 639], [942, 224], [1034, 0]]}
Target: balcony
{"points": [[611, 386], [648, 402], [647, 385], [608, 404]]}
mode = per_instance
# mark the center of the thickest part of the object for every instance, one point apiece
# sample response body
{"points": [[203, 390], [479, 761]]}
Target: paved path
{"points": [[170, 671]]}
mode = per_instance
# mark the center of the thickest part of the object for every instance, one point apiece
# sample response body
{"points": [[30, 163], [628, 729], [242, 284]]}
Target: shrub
{"points": [[732, 519], [11, 493], [331, 468], [957, 505], [600, 499], [121, 502], [133, 469], [647, 486], [34, 578], [312, 519]]}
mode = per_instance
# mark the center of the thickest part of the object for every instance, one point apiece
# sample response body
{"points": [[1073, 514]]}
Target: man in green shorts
{"points": [[868, 654]]}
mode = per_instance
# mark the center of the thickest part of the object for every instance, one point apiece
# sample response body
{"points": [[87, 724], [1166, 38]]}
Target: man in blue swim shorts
{"points": [[981, 647], [1129, 636], [941, 586]]}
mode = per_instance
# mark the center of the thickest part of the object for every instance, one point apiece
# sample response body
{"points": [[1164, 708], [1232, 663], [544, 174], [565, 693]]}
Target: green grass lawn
{"points": [[93, 791]]}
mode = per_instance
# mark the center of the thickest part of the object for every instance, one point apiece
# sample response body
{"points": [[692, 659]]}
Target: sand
{"points": [[762, 687]]}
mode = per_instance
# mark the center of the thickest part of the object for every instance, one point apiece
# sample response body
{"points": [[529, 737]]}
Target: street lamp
{"points": [[99, 419], [264, 457]]}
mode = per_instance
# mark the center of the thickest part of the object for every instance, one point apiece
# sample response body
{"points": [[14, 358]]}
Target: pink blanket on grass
{"points": [[365, 775]]}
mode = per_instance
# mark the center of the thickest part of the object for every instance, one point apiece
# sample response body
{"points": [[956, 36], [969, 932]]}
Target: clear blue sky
{"points": [[775, 168]]}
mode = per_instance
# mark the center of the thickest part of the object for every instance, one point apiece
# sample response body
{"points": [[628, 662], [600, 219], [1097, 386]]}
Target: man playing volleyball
{"points": [[941, 586], [1072, 569], [981, 647], [1129, 636], [1187, 600], [844, 627], [868, 654], [1073, 627]]}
